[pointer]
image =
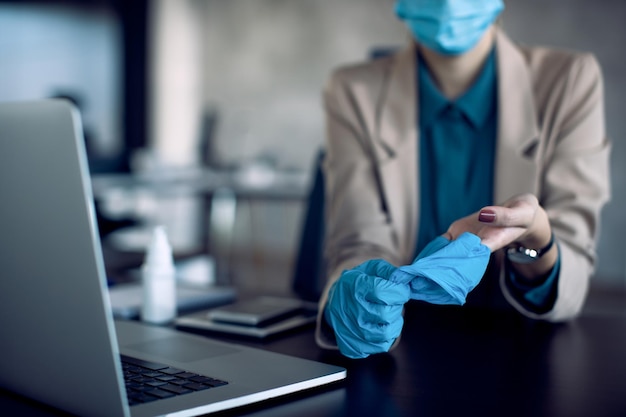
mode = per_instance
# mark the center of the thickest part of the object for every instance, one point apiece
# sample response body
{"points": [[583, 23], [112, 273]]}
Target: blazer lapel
{"points": [[518, 131], [397, 152], [397, 114]]}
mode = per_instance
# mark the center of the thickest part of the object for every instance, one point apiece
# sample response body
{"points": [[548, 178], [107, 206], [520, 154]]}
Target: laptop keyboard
{"points": [[149, 381]]}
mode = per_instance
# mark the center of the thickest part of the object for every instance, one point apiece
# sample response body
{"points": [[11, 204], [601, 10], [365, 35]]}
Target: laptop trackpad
{"points": [[181, 350]]}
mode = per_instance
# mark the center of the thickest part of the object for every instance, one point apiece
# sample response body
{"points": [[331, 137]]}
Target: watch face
{"points": [[522, 255]]}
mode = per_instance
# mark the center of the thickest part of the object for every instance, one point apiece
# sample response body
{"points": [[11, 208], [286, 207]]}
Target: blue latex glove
{"points": [[365, 309], [365, 304], [445, 271]]}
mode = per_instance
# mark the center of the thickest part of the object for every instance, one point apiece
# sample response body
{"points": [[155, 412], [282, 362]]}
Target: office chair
{"points": [[308, 275], [381, 51]]}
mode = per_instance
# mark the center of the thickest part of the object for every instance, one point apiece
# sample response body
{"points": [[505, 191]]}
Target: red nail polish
{"points": [[487, 216]]}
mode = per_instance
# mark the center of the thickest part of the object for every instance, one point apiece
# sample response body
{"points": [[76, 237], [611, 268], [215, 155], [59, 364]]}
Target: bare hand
{"points": [[520, 218]]}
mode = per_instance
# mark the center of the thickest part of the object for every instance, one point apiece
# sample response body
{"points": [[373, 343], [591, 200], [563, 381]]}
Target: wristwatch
{"points": [[522, 255]]}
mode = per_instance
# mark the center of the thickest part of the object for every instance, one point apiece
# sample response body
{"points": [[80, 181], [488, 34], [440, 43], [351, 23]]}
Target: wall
{"points": [[47, 49], [266, 62]]}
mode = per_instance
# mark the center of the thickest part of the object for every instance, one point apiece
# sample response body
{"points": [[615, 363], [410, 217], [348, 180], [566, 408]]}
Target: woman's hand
{"points": [[520, 219]]}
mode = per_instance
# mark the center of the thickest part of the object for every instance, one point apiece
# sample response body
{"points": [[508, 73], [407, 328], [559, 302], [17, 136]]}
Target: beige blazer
{"points": [[551, 142]]}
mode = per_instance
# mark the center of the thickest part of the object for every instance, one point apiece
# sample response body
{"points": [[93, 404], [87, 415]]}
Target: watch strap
{"points": [[524, 255]]}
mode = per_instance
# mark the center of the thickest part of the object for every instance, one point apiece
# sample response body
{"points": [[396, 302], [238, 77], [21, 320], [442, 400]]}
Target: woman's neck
{"points": [[455, 74]]}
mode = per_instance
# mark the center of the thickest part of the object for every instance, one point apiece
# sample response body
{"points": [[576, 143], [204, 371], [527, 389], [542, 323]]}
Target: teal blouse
{"points": [[457, 152]]}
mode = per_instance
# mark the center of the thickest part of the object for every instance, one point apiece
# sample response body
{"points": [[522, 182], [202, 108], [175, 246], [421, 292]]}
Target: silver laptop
{"points": [[60, 343]]}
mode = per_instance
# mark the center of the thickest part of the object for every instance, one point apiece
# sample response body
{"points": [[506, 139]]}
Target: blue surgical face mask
{"points": [[449, 27]]}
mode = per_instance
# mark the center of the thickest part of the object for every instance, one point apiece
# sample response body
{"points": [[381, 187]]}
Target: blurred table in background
{"points": [[200, 208], [252, 181]]}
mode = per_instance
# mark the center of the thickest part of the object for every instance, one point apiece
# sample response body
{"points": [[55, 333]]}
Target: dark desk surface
{"points": [[460, 362]]}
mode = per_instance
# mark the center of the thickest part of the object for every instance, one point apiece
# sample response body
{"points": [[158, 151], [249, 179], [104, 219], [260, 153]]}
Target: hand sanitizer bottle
{"points": [[159, 281]]}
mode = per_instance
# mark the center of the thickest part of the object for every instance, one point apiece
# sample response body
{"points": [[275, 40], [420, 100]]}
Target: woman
{"points": [[461, 134]]}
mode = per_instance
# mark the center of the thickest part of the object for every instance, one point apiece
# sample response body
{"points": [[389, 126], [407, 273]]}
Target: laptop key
{"points": [[138, 398], [171, 371], [141, 379], [197, 387], [186, 375], [179, 381], [156, 383], [143, 388], [152, 374], [166, 378], [160, 393], [216, 383], [176, 389]]}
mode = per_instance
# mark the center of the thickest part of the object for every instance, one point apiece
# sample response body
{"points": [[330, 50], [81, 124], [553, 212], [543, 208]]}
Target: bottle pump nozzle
{"points": [[159, 254]]}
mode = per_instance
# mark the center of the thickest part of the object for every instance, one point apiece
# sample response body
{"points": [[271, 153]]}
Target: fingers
{"points": [[353, 344], [380, 292], [498, 226], [382, 332], [517, 212], [365, 311], [377, 268], [502, 225], [498, 238]]}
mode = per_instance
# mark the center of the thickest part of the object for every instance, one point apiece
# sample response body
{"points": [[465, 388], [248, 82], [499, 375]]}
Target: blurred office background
{"points": [[167, 87]]}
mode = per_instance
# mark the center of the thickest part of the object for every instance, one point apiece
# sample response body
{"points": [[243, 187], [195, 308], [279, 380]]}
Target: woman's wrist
{"points": [[541, 246], [539, 234], [538, 269], [523, 255]]}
